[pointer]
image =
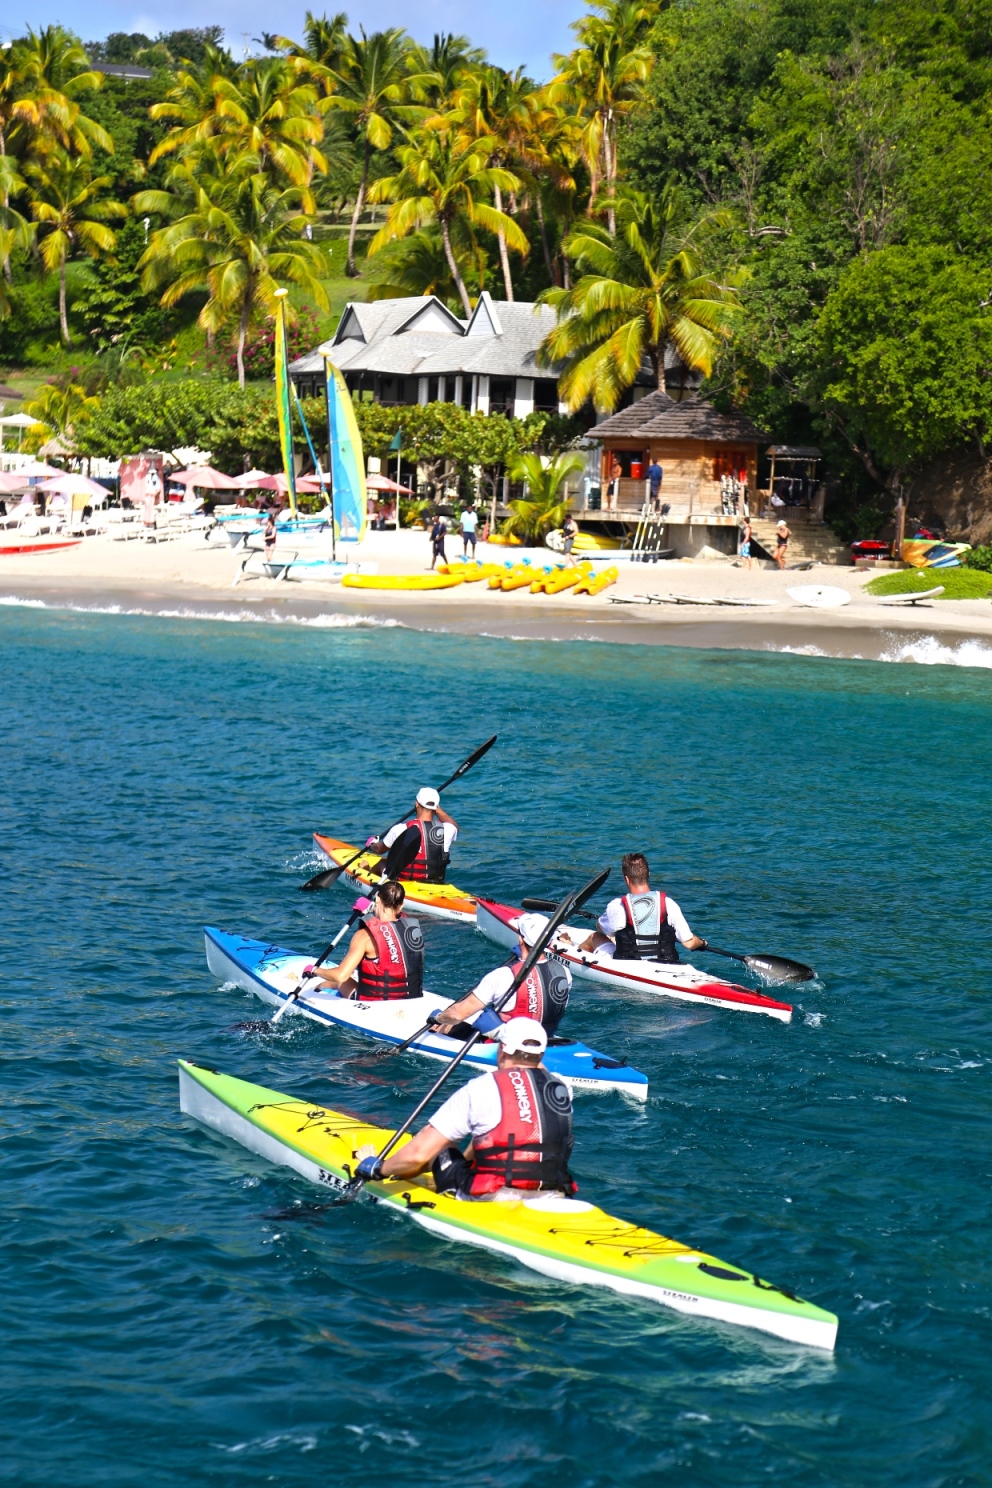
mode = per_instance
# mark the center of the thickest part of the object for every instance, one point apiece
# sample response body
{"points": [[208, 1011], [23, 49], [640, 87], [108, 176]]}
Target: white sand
{"points": [[104, 571]]}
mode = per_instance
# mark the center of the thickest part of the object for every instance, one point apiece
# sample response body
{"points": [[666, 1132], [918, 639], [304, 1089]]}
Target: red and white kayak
{"points": [[680, 981], [50, 546]]}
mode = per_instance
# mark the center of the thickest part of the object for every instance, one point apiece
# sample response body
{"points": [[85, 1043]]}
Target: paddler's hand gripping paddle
{"points": [[568, 905], [331, 875]]}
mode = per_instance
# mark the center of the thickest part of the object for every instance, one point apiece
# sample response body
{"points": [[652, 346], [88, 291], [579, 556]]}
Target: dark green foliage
{"points": [[958, 583], [115, 311], [980, 558], [33, 324]]}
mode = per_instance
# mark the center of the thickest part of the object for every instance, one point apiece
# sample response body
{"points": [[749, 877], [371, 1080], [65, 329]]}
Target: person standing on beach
{"points": [[613, 487], [570, 532], [269, 534], [782, 535], [655, 477], [745, 548], [470, 522], [643, 924], [438, 533]]}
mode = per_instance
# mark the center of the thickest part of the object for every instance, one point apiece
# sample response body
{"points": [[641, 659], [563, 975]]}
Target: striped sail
{"points": [[283, 407], [347, 459]]}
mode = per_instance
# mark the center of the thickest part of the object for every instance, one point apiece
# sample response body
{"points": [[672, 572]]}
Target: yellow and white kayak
{"points": [[569, 1240], [442, 901]]}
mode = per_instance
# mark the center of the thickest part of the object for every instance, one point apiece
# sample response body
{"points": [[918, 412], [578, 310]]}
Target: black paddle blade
{"points": [[321, 880], [780, 969], [529, 903], [467, 764], [402, 853], [592, 887]]}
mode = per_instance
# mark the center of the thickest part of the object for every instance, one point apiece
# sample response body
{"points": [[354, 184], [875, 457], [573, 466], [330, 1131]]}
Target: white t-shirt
{"points": [[614, 917], [471, 1111], [495, 983], [470, 520], [450, 833]]}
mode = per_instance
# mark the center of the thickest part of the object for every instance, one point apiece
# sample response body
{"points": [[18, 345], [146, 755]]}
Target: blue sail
{"points": [[347, 459]]}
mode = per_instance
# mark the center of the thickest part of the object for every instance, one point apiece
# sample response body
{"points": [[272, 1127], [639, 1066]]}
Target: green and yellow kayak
{"points": [[567, 1239]]}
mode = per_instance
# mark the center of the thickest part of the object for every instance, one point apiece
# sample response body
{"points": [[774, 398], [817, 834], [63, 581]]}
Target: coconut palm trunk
{"points": [[243, 332], [453, 266], [351, 270], [63, 317], [504, 256], [548, 262]]}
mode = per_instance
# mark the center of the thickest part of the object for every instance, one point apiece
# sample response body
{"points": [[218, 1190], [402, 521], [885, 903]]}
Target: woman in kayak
{"points": [[385, 960], [642, 925], [543, 995], [519, 1119]]}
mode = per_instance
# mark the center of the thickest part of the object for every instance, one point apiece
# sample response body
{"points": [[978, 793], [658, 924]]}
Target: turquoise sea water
{"points": [[173, 1311]]}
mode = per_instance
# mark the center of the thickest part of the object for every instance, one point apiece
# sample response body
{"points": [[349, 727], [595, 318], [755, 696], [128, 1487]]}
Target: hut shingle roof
{"points": [[659, 417]]}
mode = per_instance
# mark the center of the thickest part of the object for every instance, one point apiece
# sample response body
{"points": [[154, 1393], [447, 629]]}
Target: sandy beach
{"points": [[190, 576]]}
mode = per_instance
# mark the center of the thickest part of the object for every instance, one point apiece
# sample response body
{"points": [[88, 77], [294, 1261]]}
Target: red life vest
{"points": [[398, 968], [543, 995], [647, 935], [531, 1145], [431, 862]]}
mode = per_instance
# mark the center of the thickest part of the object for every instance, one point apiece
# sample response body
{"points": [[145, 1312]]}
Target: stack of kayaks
{"points": [[569, 1240]]}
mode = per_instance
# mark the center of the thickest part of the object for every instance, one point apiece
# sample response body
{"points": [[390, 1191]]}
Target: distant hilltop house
{"points": [[412, 351]]}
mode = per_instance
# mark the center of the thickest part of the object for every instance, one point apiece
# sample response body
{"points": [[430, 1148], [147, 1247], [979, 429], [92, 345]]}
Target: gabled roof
{"points": [[659, 417], [423, 338]]}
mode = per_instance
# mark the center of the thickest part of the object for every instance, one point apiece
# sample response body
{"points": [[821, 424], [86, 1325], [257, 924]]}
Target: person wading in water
{"points": [[543, 996], [385, 960], [519, 1119], [438, 831], [643, 924]]}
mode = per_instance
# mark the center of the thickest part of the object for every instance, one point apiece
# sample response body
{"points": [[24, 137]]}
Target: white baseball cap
{"points": [[428, 798], [523, 1036], [529, 927]]}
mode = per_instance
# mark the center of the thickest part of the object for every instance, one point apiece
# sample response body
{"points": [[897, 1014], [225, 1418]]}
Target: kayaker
{"points": [[438, 831], [643, 924], [519, 1119], [385, 960], [543, 995]]}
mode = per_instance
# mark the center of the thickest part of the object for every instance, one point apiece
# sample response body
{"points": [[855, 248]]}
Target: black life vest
{"points": [[398, 968], [542, 995], [431, 862], [647, 935], [530, 1146]]}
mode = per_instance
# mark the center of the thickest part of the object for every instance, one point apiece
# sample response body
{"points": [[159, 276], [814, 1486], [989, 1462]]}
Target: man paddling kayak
{"points": [[643, 924], [543, 995], [438, 831], [519, 1119], [385, 960]]}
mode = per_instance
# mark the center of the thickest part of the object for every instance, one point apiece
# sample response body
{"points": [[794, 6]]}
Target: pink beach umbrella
{"points": [[252, 480], [38, 469], [75, 485], [12, 481], [383, 483], [205, 478]]}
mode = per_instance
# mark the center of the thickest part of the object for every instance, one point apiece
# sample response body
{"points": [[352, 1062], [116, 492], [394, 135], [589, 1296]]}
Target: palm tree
{"points": [[449, 60], [236, 237], [444, 182], [192, 103], [325, 46], [70, 207], [53, 72], [545, 506], [605, 77], [412, 267], [373, 88], [495, 105], [641, 291], [59, 407], [266, 111], [15, 231]]}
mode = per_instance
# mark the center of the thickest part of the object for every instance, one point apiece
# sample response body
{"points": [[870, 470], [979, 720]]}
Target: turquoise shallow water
{"points": [[173, 1312]]}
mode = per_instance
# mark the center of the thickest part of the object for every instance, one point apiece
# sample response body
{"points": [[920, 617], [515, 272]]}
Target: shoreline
{"points": [[847, 634]]}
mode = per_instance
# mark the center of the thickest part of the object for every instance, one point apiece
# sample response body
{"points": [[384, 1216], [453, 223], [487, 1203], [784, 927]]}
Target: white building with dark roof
{"points": [[412, 351]]}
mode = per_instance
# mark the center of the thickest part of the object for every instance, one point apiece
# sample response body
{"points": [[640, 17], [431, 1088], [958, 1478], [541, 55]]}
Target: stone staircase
{"points": [[809, 541]]}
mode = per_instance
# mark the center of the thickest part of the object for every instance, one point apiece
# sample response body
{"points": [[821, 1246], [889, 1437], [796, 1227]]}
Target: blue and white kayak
{"points": [[274, 974]]}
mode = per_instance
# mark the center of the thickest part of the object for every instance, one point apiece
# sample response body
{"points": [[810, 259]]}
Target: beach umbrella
{"points": [[310, 484], [37, 470], [12, 481], [383, 483], [206, 478], [75, 485], [251, 480]]}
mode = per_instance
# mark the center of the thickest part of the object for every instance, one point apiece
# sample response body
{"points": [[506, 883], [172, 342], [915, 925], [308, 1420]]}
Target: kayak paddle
{"points": [[360, 908], [331, 875], [583, 914], [561, 914], [772, 968]]}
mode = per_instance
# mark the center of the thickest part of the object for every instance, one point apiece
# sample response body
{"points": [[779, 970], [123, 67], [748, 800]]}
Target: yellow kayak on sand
{"points": [[441, 901], [402, 581], [596, 583]]}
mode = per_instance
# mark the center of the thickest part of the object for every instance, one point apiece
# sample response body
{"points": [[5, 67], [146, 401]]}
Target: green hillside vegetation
{"points": [[959, 583], [797, 200]]}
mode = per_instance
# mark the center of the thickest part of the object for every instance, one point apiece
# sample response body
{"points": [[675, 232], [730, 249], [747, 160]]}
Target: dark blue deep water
{"points": [[173, 1313]]}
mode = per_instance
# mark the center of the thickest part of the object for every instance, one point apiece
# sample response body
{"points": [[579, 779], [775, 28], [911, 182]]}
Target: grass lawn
{"points": [[959, 583]]}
